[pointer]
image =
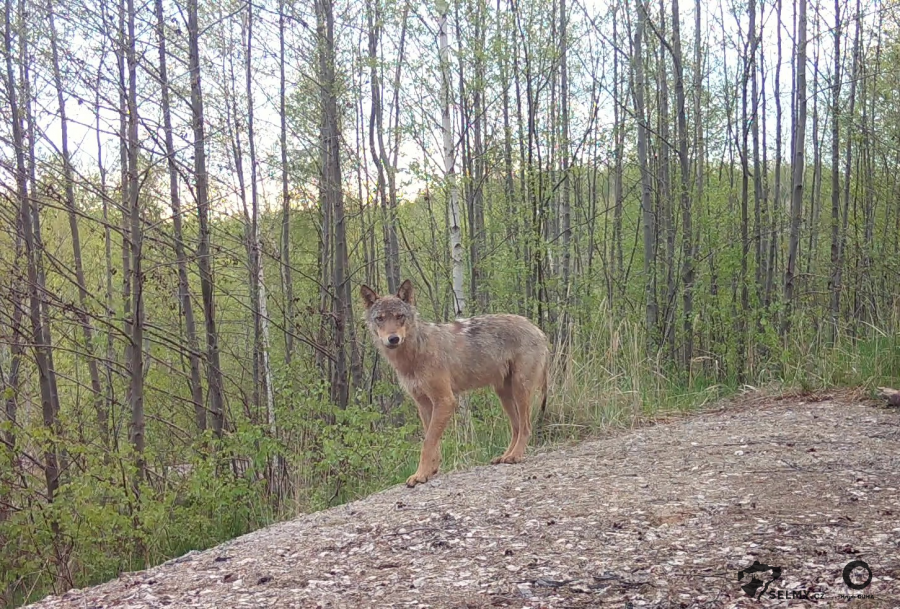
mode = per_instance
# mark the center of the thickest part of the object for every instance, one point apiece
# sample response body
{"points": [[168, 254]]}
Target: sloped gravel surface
{"points": [[659, 516]]}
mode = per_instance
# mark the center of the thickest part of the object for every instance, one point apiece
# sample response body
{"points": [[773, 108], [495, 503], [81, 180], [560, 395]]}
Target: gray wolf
{"points": [[436, 362]]}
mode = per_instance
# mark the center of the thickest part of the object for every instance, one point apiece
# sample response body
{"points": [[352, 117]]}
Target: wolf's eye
{"points": [[380, 319], [401, 318]]}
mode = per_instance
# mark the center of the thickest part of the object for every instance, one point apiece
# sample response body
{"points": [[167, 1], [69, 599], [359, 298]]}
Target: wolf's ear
{"points": [[368, 295], [405, 293]]}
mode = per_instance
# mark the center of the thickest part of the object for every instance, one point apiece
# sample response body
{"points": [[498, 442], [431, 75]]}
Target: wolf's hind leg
{"points": [[522, 390], [505, 393]]}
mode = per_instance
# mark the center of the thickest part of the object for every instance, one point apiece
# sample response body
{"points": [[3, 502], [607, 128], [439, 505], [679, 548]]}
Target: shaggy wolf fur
{"points": [[437, 362]]}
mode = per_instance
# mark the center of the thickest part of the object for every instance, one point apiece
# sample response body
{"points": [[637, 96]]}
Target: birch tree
{"points": [[456, 248]]}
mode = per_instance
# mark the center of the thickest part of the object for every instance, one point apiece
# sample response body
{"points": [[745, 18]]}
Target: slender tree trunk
{"points": [[286, 270], [376, 119], [834, 303], [748, 69], [836, 284], [776, 198], [184, 293], [687, 231], [41, 337], [466, 171], [456, 248], [479, 273], [764, 228], [395, 151], [816, 199], [797, 166], [617, 259], [647, 215], [124, 200], [512, 210], [869, 247], [107, 256], [331, 178], [69, 182], [137, 244], [525, 155], [565, 195], [213, 370], [366, 227], [665, 186], [326, 243], [712, 256], [233, 120], [259, 304], [700, 168], [549, 176], [759, 249], [700, 165]]}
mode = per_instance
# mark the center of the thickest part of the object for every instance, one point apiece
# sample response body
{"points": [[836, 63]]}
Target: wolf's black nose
{"points": [[393, 339]]}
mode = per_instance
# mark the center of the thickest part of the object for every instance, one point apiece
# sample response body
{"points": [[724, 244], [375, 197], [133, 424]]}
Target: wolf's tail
{"points": [[544, 391]]}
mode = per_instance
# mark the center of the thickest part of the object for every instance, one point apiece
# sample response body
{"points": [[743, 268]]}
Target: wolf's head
{"points": [[391, 319]]}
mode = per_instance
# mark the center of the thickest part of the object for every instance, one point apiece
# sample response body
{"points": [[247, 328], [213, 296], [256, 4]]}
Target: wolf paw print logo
{"points": [[757, 584]]}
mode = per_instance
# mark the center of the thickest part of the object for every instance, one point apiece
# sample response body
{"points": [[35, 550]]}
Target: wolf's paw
{"points": [[513, 458], [418, 478]]}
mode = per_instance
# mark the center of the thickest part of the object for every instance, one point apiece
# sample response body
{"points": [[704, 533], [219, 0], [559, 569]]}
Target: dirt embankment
{"points": [[661, 516]]}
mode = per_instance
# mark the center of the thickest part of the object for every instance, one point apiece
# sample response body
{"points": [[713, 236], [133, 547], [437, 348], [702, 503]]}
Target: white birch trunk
{"points": [[456, 248]]}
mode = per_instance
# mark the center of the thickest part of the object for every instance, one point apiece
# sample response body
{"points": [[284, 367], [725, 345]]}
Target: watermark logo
{"points": [[756, 584], [853, 568], [857, 575]]}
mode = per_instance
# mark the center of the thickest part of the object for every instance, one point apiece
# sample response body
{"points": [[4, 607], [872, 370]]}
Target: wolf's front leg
{"points": [[430, 459], [425, 407]]}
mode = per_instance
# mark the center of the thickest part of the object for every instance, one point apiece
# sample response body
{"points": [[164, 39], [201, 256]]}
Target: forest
{"points": [[688, 198]]}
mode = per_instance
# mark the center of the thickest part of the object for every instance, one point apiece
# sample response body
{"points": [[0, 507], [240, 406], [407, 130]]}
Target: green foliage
{"points": [[339, 454]]}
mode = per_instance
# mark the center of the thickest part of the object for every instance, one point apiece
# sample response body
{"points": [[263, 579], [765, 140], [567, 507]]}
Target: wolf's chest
{"points": [[412, 375], [409, 377]]}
